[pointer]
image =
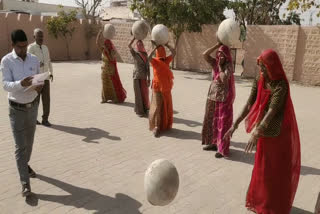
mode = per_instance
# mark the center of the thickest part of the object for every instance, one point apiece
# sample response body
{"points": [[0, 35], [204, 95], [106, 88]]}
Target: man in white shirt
{"points": [[18, 68], [42, 52]]}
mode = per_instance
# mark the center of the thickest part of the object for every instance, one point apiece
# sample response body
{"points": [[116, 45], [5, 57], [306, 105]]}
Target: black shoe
{"points": [[212, 147], [46, 123], [32, 173], [26, 190], [218, 155], [38, 123], [156, 132]]}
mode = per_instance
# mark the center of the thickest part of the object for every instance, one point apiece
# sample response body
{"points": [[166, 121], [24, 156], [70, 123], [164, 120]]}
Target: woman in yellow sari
{"points": [[112, 89]]}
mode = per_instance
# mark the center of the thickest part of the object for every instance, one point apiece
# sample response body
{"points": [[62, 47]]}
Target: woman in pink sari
{"points": [[219, 108], [112, 89]]}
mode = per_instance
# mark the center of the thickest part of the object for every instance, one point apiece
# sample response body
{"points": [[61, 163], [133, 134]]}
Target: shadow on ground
{"points": [[92, 135], [182, 134], [241, 156], [189, 123], [296, 210], [87, 199]]}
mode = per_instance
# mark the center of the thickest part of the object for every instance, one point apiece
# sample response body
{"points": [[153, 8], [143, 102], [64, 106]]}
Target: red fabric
{"points": [[227, 53], [257, 110], [276, 171], [141, 50], [161, 52], [120, 91], [163, 83], [223, 112], [167, 111]]}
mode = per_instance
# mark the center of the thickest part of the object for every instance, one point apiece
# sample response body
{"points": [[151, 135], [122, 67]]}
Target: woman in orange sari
{"points": [[270, 113], [112, 89], [161, 110]]}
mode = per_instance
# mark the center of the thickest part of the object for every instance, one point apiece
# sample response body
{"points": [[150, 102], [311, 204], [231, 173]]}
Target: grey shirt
{"points": [[141, 68]]}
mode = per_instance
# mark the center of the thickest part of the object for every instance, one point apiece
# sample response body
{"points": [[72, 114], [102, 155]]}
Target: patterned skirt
{"points": [[141, 92], [217, 121], [207, 129], [112, 89], [161, 111], [155, 110], [108, 92]]}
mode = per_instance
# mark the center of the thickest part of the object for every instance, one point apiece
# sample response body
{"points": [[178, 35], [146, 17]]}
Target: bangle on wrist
{"points": [[256, 134]]}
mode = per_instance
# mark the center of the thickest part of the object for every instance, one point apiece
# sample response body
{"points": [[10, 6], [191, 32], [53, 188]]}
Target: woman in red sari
{"points": [[112, 89], [270, 113], [161, 110], [219, 108]]}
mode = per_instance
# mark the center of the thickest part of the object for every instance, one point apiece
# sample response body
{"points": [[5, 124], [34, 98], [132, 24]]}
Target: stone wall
{"points": [[307, 65], [298, 47], [78, 45], [190, 46], [282, 39]]}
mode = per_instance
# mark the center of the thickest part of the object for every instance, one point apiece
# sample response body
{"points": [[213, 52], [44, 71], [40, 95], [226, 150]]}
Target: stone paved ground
{"points": [[94, 157]]}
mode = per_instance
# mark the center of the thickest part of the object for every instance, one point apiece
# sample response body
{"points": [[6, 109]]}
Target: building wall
{"points": [[307, 65], [283, 39], [190, 46], [78, 45], [33, 7], [298, 47], [1, 4]]}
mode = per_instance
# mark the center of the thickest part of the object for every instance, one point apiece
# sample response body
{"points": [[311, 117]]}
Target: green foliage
{"points": [[61, 25], [304, 5], [291, 18], [181, 15], [261, 12]]}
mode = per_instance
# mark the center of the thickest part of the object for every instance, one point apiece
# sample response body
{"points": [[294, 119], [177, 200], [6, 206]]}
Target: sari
{"points": [[141, 75], [219, 112], [276, 170], [161, 110], [111, 84]]}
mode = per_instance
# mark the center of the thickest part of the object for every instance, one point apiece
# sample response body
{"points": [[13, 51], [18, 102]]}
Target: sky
{"points": [[63, 2], [305, 16]]}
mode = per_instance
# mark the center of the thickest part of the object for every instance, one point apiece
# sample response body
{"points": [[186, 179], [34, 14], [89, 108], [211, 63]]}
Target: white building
{"points": [[34, 8], [119, 9]]}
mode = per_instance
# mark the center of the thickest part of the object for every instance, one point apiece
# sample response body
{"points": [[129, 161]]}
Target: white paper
{"points": [[37, 80]]}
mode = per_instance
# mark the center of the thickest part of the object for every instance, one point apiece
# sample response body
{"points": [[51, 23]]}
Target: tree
{"points": [[181, 15], [292, 17], [62, 25], [261, 12], [304, 5], [90, 8]]}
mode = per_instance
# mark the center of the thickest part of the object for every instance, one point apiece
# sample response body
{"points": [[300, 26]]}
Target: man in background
{"points": [[42, 52]]}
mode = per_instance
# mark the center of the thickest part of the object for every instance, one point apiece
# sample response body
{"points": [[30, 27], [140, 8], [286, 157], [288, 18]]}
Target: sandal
{"points": [[212, 147]]}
